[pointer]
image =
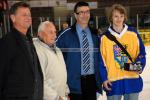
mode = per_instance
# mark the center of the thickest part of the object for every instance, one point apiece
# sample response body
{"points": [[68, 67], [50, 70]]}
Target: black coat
{"points": [[16, 69]]}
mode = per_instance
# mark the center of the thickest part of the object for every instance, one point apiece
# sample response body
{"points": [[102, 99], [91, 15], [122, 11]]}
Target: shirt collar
{"points": [[113, 32], [52, 47], [79, 29]]}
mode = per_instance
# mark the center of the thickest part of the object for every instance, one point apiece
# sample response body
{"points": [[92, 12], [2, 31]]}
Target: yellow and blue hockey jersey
{"points": [[112, 59]]}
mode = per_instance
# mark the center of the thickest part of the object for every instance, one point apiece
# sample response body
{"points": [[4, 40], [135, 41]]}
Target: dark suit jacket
{"points": [[68, 42], [16, 69]]}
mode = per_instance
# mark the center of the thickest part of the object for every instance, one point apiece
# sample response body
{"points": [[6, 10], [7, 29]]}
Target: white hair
{"points": [[43, 25]]}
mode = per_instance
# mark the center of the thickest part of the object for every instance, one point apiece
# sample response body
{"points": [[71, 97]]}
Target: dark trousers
{"points": [[88, 86]]}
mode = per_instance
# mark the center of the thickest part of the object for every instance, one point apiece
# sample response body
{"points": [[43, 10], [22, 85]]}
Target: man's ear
{"points": [[12, 17], [39, 34], [75, 15]]}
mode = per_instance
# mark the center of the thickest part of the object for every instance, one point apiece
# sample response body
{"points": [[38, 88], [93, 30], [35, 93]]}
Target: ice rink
{"points": [[145, 94]]}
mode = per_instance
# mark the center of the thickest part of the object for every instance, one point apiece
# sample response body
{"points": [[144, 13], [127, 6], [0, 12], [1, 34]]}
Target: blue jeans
{"points": [[132, 96]]}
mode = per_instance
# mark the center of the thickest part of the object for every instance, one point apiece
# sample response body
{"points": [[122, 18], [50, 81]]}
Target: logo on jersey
{"points": [[119, 55]]}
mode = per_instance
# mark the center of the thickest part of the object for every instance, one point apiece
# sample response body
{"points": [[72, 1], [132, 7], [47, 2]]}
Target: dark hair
{"points": [[80, 4], [17, 5]]}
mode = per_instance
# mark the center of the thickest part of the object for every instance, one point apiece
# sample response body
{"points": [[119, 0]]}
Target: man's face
{"points": [[49, 34], [117, 18], [65, 25], [22, 18], [83, 15]]}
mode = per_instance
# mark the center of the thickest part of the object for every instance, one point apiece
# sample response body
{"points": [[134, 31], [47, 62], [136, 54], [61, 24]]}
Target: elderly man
{"points": [[52, 63]]}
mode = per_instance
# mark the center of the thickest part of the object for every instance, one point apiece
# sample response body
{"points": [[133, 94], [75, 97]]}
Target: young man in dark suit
{"points": [[79, 44]]}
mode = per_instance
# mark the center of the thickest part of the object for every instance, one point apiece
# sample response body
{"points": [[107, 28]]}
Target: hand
{"points": [[107, 85], [139, 66], [60, 98], [138, 72], [68, 98]]}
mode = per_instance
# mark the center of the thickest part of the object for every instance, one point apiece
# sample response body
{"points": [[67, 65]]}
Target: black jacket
{"points": [[16, 69]]}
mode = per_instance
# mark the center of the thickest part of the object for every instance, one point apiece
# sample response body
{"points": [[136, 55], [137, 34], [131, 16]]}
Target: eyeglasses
{"points": [[83, 12]]}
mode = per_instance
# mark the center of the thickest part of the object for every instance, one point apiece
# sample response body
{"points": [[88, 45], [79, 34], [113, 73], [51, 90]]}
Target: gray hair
{"points": [[43, 25]]}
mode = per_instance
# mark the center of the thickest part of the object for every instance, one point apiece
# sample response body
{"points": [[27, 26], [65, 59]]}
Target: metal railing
{"points": [[139, 21]]}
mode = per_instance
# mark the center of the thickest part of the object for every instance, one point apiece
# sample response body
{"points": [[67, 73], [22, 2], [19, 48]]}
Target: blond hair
{"points": [[119, 8]]}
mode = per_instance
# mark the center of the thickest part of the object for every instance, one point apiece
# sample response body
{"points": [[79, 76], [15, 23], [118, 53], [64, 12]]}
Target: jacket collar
{"points": [[21, 43], [93, 31], [113, 32]]}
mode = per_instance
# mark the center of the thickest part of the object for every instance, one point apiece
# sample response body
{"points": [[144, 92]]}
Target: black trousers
{"points": [[88, 87]]}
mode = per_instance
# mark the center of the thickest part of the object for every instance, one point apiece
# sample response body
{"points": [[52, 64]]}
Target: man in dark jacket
{"points": [[1, 17], [20, 72], [79, 45]]}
